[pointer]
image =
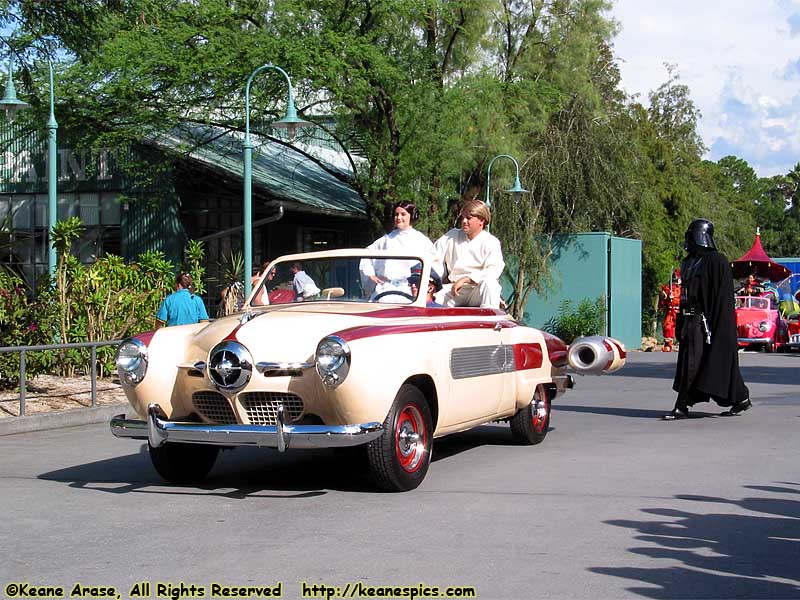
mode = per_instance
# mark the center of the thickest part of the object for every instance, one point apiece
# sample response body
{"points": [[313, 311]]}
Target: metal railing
{"points": [[24, 349]]}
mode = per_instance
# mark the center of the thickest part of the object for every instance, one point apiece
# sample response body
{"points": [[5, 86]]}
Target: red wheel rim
{"points": [[540, 411], [410, 438]]}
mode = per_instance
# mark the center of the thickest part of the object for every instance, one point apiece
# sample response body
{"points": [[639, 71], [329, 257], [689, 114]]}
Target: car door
{"points": [[480, 366]]}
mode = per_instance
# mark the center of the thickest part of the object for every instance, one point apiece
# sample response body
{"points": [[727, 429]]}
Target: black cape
{"points": [[708, 370]]}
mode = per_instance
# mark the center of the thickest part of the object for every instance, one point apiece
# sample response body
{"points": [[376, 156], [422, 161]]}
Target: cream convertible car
{"points": [[348, 364]]}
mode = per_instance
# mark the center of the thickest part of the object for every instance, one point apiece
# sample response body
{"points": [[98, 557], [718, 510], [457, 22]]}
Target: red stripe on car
{"points": [[145, 337], [357, 333], [231, 337]]}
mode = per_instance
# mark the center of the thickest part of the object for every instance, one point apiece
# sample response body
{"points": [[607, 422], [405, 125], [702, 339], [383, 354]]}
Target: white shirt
{"points": [[478, 258], [407, 240], [304, 286]]}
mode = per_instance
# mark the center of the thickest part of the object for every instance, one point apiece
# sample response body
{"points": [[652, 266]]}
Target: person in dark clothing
{"points": [[708, 360]]}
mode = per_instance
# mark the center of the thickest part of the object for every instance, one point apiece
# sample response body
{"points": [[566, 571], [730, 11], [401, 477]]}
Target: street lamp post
{"points": [[52, 180], [291, 122], [515, 189], [11, 104]]}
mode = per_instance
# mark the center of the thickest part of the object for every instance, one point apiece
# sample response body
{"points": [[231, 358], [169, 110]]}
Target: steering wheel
{"points": [[390, 292]]}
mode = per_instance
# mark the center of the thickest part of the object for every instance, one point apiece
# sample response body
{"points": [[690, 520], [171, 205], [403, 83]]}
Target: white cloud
{"points": [[791, 72], [760, 128], [741, 61]]}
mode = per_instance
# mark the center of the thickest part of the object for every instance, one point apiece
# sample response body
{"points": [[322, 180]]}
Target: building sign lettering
{"points": [[19, 167]]}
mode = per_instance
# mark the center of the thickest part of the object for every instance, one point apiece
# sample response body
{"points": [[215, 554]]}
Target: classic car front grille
{"points": [[477, 361], [214, 407], [262, 407]]}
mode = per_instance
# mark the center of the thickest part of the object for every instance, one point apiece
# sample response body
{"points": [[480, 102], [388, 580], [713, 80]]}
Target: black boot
{"points": [[681, 411], [738, 408]]}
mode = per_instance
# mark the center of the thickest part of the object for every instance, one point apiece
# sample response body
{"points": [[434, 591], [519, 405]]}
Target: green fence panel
{"points": [[625, 291], [594, 265]]}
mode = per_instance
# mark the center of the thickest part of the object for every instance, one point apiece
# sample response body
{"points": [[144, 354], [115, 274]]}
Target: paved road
{"points": [[614, 504]]}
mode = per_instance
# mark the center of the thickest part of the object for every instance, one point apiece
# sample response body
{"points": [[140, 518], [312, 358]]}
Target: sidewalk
{"points": [[52, 402]]}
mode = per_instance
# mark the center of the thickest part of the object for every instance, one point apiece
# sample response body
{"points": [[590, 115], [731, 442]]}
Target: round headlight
{"points": [[332, 360], [131, 361], [763, 326]]}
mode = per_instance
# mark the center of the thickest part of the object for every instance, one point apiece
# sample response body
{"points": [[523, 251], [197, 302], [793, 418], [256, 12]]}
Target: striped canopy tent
{"points": [[755, 261]]}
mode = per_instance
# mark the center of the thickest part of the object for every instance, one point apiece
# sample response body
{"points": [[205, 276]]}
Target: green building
{"points": [[298, 205]]}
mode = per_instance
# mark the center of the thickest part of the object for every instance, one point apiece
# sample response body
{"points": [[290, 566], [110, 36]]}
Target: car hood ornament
{"points": [[230, 366]]}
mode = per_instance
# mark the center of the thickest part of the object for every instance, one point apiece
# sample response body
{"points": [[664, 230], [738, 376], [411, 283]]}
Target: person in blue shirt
{"points": [[181, 307]]}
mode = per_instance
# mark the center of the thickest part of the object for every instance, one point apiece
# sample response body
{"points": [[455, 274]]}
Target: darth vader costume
{"points": [[708, 360]]}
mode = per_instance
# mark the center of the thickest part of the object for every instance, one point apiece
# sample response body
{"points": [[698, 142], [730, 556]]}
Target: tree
{"points": [[428, 91], [580, 182], [778, 214], [671, 193], [384, 70], [567, 117]]}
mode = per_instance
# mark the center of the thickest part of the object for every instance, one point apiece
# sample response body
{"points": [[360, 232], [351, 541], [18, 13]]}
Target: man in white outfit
{"points": [[472, 259], [304, 286]]}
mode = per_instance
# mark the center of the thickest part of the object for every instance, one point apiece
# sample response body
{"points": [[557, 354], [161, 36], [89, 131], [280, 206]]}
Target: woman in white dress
{"points": [[381, 275]]}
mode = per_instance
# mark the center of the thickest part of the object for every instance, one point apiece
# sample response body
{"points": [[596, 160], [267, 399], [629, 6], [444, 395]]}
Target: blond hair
{"points": [[476, 208]]}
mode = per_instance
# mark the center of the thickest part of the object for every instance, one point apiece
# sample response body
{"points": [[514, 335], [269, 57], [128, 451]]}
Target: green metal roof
{"points": [[288, 175]]}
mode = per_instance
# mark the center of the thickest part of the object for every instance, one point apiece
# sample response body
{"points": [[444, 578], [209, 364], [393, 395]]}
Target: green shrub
{"points": [[106, 300], [195, 257], [110, 300], [587, 319], [22, 323]]}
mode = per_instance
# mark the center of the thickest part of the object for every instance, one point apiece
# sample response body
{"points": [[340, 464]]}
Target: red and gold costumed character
{"points": [[669, 303]]}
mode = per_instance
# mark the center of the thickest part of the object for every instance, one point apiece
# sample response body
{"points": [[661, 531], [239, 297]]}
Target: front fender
{"points": [[166, 349], [379, 367]]}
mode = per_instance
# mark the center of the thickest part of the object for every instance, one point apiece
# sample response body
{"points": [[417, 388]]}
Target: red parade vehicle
{"points": [[759, 324], [758, 318]]}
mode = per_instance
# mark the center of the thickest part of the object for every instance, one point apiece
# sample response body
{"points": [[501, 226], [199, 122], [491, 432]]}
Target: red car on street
{"points": [[759, 324]]}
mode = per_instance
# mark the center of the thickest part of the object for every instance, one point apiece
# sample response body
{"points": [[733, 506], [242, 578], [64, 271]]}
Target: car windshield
{"points": [[342, 279], [752, 302]]}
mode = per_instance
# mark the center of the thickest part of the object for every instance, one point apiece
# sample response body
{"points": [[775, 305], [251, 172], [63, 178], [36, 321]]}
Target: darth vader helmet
{"points": [[699, 234]]}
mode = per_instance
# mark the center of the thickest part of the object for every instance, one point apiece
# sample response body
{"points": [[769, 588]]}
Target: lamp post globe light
{"points": [[11, 104], [515, 189], [291, 122]]}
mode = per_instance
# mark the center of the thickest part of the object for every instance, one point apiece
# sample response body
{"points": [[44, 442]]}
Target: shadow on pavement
{"points": [[486, 435], [253, 472], [245, 472], [639, 413], [719, 554]]}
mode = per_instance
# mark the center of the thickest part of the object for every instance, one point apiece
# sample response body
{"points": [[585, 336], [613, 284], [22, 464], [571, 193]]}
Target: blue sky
{"points": [[741, 61]]}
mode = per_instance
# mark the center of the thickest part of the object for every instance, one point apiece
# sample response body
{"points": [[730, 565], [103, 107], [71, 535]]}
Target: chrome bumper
{"points": [[157, 430], [754, 340]]}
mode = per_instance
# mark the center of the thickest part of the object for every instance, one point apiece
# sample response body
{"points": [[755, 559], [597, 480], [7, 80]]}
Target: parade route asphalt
{"points": [[614, 504]]}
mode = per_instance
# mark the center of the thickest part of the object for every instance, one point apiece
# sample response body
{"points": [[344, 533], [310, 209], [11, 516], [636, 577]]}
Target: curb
{"points": [[56, 420]]}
